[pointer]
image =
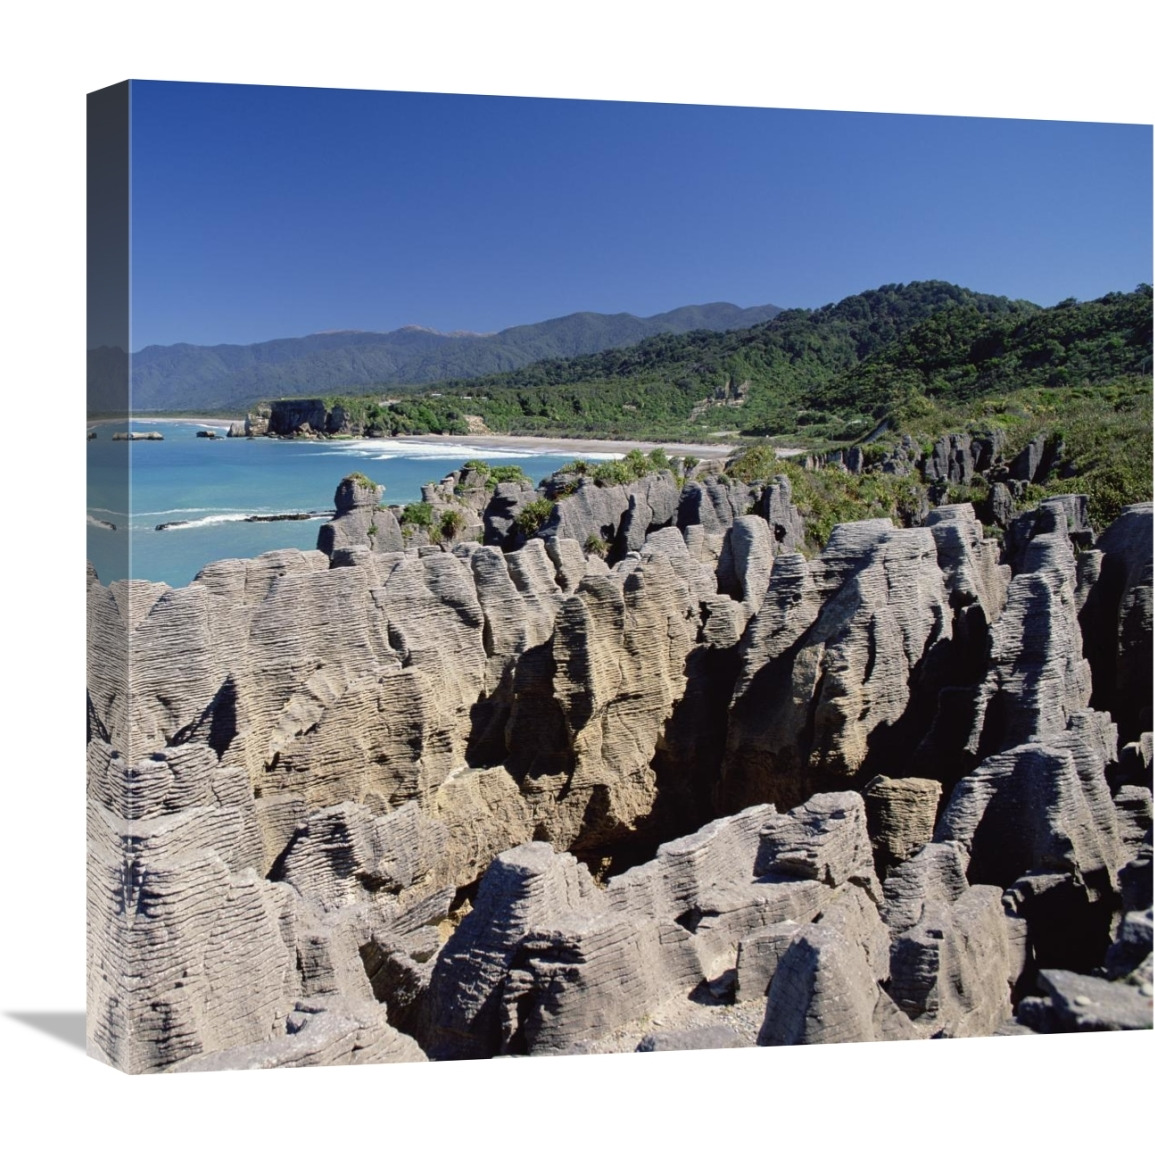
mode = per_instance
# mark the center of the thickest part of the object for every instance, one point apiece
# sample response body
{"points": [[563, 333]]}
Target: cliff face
{"points": [[374, 802]]}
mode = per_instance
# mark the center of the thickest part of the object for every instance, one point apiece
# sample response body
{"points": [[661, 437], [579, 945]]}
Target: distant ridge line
{"points": [[182, 377]]}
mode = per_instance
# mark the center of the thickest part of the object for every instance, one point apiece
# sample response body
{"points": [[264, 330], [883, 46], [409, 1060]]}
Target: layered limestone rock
{"points": [[363, 751], [321, 1032], [662, 929], [617, 658], [786, 524], [1033, 462], [823, 981], [969, 561], [747, 558], [1038, 821], [287, 418], [620, 516], [1133, 811], [1043, 806], [499, 519], [950, 460], [1117, 998], [522, 887], [956, 952], [953, 970], [189, 949], [829, 661], [1066, 512], [1077, 1002], [901, 815], [824, 991], [936, 874], [714, 503], [360, 521], [655, 934], [1038, 676], [1116, 621]]}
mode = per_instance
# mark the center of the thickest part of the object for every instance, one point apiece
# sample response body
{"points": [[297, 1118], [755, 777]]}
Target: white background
{"points": [[1089, 62]]}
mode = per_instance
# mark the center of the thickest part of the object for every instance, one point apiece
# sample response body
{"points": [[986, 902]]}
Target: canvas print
{"points": [[570, 577]]}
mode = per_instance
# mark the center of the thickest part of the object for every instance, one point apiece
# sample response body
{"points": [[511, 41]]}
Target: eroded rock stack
{"points": [[376, 802]]}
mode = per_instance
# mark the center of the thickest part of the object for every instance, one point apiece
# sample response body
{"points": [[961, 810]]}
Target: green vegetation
{"points": [[596, 545], [452, 523], [1104, 428], [1105, 432], [418, 514], [363, 482], [503, 473], [674, 385], [395, 418], [824, 376], [826, 497], [496, 474], [633, 467], [961, 354], [758, 463], [534, 515]]}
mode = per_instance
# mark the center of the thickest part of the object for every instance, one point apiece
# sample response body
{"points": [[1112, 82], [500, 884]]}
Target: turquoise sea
{"points": [[213, 485]]}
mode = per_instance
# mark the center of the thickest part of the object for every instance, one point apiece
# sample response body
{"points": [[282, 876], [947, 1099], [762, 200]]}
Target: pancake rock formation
{"points": [[639, 776]]}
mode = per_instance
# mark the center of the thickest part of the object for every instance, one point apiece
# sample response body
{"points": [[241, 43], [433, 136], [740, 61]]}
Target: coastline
{"points": [[563, 446]]}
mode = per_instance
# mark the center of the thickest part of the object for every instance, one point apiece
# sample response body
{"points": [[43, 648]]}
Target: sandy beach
{"points": [[565, 446], [576, 445]]}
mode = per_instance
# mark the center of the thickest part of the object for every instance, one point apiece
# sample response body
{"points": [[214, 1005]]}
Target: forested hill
{"points": [[833, 372], [959, 355], [191, 377]]}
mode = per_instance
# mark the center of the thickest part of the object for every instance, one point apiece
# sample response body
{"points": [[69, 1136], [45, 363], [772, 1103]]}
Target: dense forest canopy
{"points": [[829, 373]]}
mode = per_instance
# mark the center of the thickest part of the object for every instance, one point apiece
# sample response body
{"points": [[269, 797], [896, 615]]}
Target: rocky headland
{"points": [[299, 418], [594, 767]]}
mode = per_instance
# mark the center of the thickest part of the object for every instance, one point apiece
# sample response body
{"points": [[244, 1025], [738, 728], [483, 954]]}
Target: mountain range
{"points": [[187, 377]]}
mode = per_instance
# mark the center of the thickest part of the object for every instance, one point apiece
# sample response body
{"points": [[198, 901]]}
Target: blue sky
{"points": [[263, 212]]}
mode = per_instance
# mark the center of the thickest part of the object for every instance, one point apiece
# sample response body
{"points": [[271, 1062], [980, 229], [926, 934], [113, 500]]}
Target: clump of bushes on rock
{"points": [[758, 463], [361, 481], [418, 514], [534, 515], [596, 545], [451, 524], [633, 467], [496, 474]]}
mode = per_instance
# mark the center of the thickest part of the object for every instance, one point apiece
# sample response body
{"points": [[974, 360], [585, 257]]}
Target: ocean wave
{"points": [[266, 514], [212, 519]]}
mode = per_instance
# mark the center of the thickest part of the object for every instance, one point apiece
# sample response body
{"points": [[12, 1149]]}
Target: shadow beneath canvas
{"points": [[67, 1026]]}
